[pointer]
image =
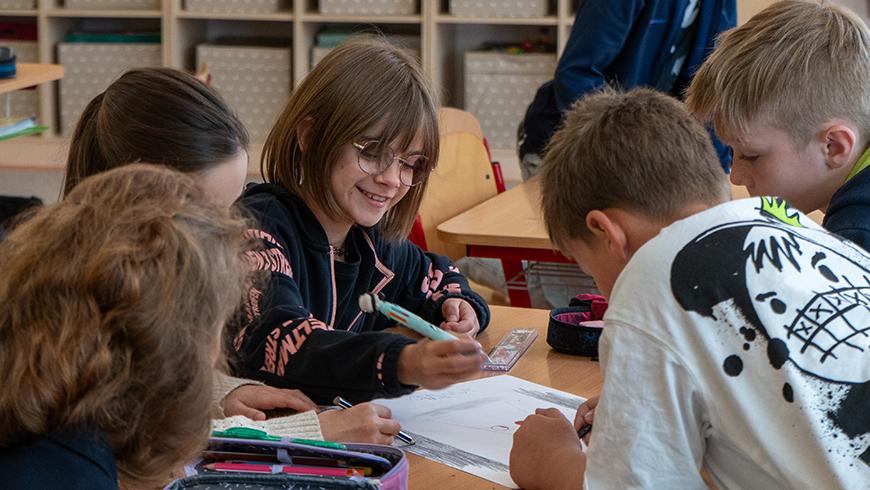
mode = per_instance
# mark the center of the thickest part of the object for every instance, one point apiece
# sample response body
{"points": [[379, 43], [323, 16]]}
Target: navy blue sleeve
{"points": [[598, 35], [851, 223], [428, 279], [848, 213]]}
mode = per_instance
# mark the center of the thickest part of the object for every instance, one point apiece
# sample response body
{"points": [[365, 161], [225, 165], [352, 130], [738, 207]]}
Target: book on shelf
{"points": [[11, 127]]}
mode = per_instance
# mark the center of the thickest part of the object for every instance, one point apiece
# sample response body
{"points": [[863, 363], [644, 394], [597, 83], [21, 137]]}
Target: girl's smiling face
{"points": [[365, 198]]}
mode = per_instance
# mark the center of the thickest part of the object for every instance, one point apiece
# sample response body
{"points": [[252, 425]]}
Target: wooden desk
{"points": [[30, 74], [539, 364], [509, 227]]}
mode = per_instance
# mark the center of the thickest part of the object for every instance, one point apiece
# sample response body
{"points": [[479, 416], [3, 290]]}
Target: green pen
{"points": [[261, 435]]}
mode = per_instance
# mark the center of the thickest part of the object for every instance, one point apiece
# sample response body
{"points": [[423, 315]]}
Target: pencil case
{"points": [[575, 329], [388, 466]]}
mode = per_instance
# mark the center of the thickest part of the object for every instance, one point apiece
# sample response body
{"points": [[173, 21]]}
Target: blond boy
{"points": [[738, 333], [789, 91]]}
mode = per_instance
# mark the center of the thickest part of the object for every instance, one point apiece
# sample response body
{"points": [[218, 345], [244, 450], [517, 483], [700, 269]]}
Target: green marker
{"points": [[261, 435]]}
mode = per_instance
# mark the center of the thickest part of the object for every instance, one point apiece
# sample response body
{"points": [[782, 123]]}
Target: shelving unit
{"points": [[443, 40]]}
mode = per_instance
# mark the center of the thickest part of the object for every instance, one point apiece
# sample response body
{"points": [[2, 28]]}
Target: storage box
{"points": [[113, 4], [18, 4], [369, 7], [498, 8], [233, 6], [254, 80], [328, 39], [91, 67], [23, 103], [317, 54], [499, 88]]}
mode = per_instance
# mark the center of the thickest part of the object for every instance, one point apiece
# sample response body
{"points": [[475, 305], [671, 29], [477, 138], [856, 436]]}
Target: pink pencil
{"points": [[278, 468]]}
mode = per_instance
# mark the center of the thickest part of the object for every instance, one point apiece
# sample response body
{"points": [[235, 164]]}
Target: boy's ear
{"points": [[840, 141], [609, 233], [303, 132]]}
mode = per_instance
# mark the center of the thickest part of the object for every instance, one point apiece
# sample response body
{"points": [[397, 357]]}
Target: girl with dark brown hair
{"points": [[347, 165], [113, 302]]}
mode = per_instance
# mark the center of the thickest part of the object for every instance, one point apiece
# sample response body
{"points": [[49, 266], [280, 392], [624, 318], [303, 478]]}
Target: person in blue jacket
{"points": [[346, 167], [625, 43]]}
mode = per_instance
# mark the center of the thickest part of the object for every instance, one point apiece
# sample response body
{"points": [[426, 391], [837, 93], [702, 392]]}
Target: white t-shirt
{"points": [[740, 342]]}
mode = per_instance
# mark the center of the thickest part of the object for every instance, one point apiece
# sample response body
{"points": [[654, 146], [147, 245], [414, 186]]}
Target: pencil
{"points": [[582, 431], [341, 402]]}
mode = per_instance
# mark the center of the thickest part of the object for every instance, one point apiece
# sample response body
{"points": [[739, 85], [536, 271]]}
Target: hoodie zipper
{"points": [[332, 278]]}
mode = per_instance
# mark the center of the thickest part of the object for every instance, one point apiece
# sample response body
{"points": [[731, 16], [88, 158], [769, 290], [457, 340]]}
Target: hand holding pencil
{"points": [[584, 418], [433, 364]]}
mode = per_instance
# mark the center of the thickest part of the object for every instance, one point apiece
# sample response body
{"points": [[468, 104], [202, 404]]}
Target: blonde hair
{"points": [[358, 85], [113, 302], [637, 150], [793, 66]]}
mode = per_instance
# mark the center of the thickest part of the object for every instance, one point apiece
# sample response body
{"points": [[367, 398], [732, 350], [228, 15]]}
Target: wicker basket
{"points": [[91, 67], [17, 4], [254, 80], [233, 6], [499, 87], [498, 8], [113, 4], [369, 7]]}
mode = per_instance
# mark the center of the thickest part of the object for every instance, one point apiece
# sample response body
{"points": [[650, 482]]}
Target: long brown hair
{"points": [[113, 302], [154, 115], [358, 85]]}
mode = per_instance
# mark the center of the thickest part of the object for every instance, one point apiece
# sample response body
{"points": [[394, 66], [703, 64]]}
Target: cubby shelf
{"points": [[443, 39]]}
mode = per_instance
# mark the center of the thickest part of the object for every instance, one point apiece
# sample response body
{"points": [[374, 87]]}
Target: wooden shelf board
{"points": [[316, 17], [37, 153], [505, 21], [278, 16], [114, 14], [18, 13], [29, 75]]}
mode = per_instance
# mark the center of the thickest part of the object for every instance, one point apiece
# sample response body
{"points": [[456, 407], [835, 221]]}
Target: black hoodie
{"points": [[302, 326]]}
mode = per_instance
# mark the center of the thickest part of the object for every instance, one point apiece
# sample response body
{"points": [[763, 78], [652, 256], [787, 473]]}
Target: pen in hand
{"points": [[582, 431], [370, 303], [342, 403]]}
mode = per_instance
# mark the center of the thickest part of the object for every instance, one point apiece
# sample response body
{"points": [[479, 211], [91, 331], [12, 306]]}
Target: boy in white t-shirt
{"points": [[738, 333]]}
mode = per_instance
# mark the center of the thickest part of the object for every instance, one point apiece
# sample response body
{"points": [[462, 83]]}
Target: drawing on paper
{"points": [[470, 426]]}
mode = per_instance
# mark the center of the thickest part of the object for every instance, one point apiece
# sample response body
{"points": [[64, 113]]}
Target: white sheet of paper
{"points": [[470, 426]]}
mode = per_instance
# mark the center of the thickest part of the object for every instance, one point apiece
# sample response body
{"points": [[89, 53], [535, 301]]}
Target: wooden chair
{"points": [[464, 177]]}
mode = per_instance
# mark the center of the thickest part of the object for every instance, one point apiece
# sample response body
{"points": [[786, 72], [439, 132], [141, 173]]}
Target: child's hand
{"points": [[585, 415], [252, 400], [366, 422], [459, 317], [440, 363], [546, 452]]}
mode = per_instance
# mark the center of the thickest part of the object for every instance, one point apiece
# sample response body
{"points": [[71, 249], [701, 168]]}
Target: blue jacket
{"points": [[75, 460], [848, 213], [625, 43], [302, 325]]}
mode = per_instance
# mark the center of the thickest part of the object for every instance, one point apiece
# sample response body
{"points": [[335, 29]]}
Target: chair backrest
{"points": [[463, 178]]}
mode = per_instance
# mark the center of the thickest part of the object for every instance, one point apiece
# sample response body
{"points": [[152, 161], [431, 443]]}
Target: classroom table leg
{"points": [[517, 285], [514, 273]]}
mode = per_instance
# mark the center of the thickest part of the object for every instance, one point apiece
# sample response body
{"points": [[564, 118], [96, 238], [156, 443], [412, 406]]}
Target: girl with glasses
{"points": [[346, 167]]}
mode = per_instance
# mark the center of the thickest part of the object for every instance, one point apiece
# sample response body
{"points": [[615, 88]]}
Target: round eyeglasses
{"points": [[375, 158]]}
